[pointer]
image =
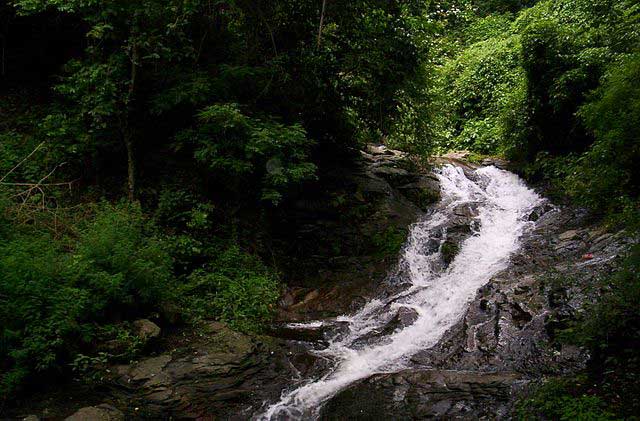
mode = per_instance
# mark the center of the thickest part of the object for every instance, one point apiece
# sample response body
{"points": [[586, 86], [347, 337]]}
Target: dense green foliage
{"points": [[610, 164], [562, 400], [61, 297], [234, 146], [553, 86], [235, 287], [207, 115], [53, 300], [254, 90]]}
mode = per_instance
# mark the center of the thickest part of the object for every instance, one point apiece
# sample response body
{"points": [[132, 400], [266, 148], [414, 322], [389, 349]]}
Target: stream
{"points": [[431, 295]]}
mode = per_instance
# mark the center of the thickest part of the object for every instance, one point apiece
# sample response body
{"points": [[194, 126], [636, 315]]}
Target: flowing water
{"points": [[436, 296]]}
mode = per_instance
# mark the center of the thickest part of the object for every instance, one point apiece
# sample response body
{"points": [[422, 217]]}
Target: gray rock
{"points": [[496, 162], [145, 329], [216, 374], [395, 176], [148, 368], [406, 316], [103, 412], [379, 150], [466, 210], [568, 235], [422, 193], [420, 394]]}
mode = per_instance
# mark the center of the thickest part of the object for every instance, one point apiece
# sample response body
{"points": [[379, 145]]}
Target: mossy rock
{"points": [[449, 251]]}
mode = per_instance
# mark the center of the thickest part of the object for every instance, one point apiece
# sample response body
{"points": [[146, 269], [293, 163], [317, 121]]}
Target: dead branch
{"points": [[22, 162]]}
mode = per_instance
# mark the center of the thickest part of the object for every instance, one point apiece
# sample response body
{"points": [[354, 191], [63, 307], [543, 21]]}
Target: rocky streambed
{"points": [[502, 343]]}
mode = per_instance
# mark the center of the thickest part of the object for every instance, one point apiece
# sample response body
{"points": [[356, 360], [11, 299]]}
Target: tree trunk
{"points": [[131, 165], [266, 24], [128, 135], [324, 6]]}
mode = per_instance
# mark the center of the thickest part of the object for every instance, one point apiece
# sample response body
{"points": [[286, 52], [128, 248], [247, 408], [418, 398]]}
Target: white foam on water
{"points": [[308, 325], [439, 298]]}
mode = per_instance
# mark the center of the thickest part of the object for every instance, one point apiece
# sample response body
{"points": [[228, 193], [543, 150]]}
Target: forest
{"points": [[152, 154]]}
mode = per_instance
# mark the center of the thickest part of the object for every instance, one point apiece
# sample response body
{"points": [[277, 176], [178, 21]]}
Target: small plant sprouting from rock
{"points": [[389, 243]]}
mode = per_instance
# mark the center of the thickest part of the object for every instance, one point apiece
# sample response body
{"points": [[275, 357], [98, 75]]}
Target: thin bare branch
{"points": [[22, 162]]}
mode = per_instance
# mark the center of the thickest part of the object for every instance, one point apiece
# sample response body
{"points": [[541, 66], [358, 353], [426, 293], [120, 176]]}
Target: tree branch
{"points": [[22, 162]]}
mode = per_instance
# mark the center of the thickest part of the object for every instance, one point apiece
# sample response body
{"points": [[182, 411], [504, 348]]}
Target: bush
{"points": [[557, 85], [53, 300], [40, 308], [389, 242], [236, 288], [558, 400], [120, 258], [608, 172], [482, 91], [245, 149], [5, 224]]}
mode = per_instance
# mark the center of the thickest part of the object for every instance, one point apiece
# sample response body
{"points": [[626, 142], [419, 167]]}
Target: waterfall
{"points": [[437, 297]]}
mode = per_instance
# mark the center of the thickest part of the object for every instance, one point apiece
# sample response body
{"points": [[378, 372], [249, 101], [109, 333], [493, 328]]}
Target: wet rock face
{"points": [[347, 245], [458, 229], [406, 317], [510, 324], [219, 373], [403, 191], [424, 394]]}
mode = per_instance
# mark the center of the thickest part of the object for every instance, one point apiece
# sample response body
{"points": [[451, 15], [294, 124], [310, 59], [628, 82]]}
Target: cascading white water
{"points": [[438, 297]]}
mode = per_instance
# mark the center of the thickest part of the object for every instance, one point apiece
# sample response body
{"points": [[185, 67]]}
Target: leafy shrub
{"points": [[557, 400], [39, 308], [389, 242], [242, 147], [608, 172], [557, 85], [120, 258], [482, 89], [5, 224], [449, 251], [236, 288], [53, 300], [494, 26]]}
